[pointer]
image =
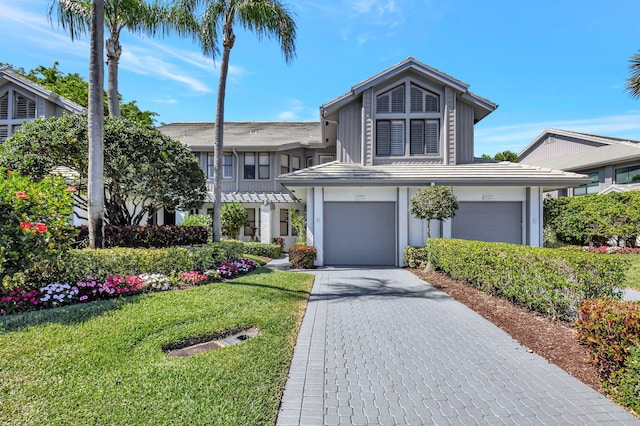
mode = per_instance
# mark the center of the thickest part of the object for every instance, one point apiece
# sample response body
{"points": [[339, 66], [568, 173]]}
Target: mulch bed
{"points": [[551, 339]]}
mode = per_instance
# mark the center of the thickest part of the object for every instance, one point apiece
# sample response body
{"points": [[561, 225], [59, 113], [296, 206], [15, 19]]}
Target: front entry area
{"points": [[360, 233], [488, 221]]}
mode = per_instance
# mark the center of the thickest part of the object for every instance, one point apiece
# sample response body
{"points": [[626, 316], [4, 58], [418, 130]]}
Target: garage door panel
{"points": [[360, 233], [488, 221]]}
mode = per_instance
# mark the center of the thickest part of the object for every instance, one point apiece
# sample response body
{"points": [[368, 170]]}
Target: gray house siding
{"points": [[464, 133], [555, 146], [349, 143], [367, 127], [450, 126]]}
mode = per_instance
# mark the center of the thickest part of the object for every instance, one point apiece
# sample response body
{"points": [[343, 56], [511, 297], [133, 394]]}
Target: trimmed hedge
{"points": [[148, 236], [549, 281], [265, 250], [415, 257], [610, 329], [302, 257], [76, 265]]}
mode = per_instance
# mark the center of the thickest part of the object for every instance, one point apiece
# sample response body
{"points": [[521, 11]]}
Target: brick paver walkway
{"points": [[379, 346]]}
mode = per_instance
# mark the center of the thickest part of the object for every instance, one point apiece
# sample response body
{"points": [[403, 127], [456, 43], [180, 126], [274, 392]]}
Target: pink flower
{"points": [[22, 195], [41, 227], [71, 189], [25, 225]]}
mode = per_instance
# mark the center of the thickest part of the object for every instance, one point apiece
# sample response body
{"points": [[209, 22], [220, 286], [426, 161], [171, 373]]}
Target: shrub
{"points": [[549, 281], [302, 257], [149, 235], [265, 250], [415, 257], [34, 222], [434, 202], [233, 216], [625, 382], [76, 265], [610, 329], [200, 220], [299, 223], [279, 241]]}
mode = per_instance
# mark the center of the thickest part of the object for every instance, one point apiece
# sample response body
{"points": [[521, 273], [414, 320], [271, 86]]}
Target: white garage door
{"points": [[489, 221], [361, 233]]}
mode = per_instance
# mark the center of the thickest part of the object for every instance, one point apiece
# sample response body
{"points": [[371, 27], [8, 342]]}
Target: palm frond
{"points": [[73, 16], [632, 86]]}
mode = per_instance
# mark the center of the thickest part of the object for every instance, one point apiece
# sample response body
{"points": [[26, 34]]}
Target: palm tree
{"points": [[632, 85], [96, 127], [135, 15], [269, 18]]}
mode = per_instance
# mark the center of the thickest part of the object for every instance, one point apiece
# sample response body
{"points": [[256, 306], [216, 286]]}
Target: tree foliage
{"points": [[144, 169], [595, 219], [503, 156], [75, 88], [299, 223], [434, 202], [233, 216], [632, 85]]}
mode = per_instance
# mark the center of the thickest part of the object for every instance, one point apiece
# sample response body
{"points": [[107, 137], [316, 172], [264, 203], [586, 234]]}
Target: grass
{"points": [[102, 362], [633, 273], [260, 261]]}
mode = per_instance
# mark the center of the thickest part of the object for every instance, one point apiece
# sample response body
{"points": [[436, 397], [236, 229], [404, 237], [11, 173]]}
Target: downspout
{"points": [[235, 154]]}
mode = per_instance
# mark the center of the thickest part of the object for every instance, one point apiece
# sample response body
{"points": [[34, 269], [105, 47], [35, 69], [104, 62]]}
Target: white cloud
{"points": [[297, 111]]}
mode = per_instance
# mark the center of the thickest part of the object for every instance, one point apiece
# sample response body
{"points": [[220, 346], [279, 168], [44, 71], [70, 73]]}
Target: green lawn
{"points": [[633, 273], [102, 363]]}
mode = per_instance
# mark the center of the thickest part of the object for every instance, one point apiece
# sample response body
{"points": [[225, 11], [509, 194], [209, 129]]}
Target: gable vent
{"points": [[4, 133], [24, 107], [4, 106]]}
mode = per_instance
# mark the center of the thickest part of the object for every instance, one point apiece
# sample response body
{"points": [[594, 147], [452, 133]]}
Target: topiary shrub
{"points": [[265, 250], [34, 223], [302, 257]]}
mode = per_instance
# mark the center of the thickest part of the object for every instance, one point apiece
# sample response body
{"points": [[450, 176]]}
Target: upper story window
{"points": [[407, 125], [626, 175], [289, 163], [256, 165], [590, 188], [227, 166]]}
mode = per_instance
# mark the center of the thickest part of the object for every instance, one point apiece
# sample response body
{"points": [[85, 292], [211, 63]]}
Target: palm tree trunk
{"points": [[229, 39], [114, 50], [96, 128]]}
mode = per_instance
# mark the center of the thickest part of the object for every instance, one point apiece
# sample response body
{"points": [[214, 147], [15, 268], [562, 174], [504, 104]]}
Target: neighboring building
{"points": [[612, 164], [255, 153], [23, 100], [405, 128]]}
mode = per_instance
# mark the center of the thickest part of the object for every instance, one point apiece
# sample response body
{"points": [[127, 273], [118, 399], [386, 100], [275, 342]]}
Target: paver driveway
{"points": [[380, 346]]}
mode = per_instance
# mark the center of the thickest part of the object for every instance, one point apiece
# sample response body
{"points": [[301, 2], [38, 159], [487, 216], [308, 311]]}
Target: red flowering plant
{"points": [[34, 223], [18, 300]]}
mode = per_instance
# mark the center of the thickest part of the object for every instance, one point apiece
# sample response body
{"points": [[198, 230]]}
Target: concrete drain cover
{"points": [[234, 339]]}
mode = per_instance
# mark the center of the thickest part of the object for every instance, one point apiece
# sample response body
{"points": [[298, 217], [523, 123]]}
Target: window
{"points": [[589, 188], [416, 132], [284, 164], [284, 222], [309, 161], [252, 223], [227, 166], [250, 165], [627, 175], [4, 107], [295, 163], [23, 107]]}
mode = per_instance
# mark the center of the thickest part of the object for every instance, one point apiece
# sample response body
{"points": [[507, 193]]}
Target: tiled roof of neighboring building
{"points": [[247, 135], [597, 139], [479, 173], [609, 154]]}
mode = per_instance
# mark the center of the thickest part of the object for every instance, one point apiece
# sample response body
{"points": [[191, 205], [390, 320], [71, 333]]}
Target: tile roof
{"points": [[479, 173], [247, 135], [608, 154]]}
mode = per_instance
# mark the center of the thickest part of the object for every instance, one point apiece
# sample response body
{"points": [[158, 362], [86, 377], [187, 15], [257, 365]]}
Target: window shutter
{"points": [[432, 103], [383, 137], [397, 99], [417, 137], [431, 137], [416, 99], [24, 107], [382, 103], [4, 133], [4, 107], [397, 138]]}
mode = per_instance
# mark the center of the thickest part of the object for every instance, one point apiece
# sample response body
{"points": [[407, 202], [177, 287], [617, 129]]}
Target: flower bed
{"points": [[95, 288], [612, 250]]}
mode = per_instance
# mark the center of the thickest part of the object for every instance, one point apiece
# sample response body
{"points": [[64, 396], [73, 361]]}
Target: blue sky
{"points": [[548, 63]]}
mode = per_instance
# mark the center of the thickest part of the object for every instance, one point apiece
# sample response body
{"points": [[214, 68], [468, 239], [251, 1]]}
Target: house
{"points": [[255, 153], [612, 164], [407, 127], [355, 170], [23, 100]]}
